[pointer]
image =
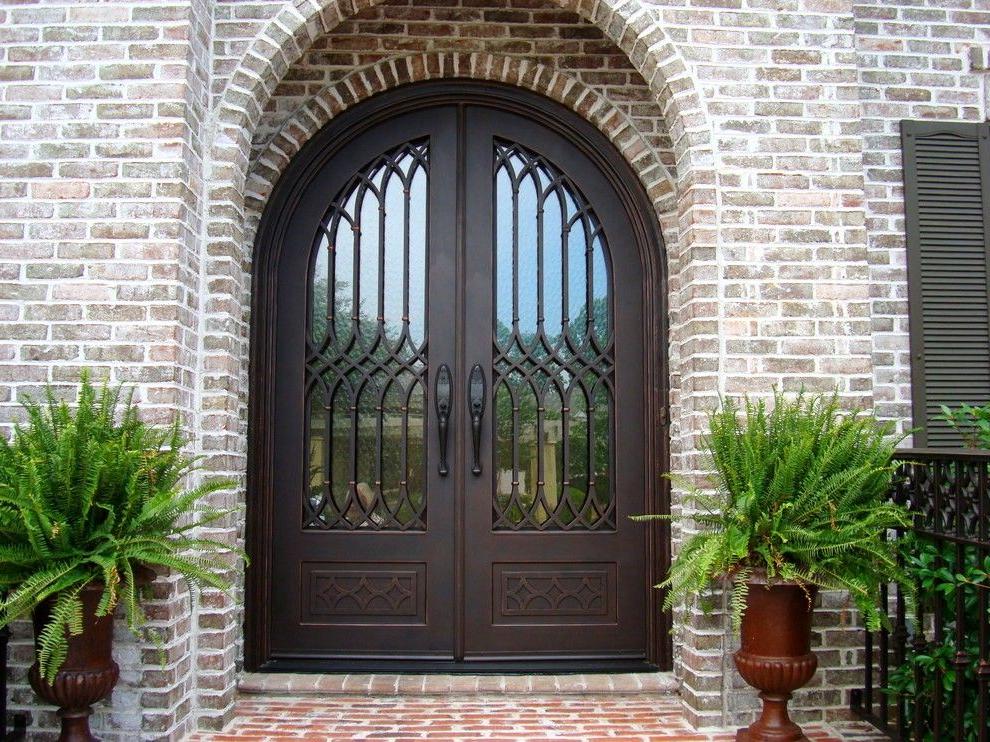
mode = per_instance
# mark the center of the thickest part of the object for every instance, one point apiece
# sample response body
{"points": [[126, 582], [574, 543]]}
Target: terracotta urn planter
{"points": [[89, 673], [776, 657]]}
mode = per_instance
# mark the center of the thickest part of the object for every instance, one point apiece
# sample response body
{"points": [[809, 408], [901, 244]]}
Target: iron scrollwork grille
{"points": [[366, 358], [553, 385]]}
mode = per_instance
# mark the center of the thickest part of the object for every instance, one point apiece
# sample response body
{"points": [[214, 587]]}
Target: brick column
{"points": [[98, 242]]}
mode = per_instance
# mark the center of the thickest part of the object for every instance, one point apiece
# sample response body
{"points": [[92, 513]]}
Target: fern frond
{"points": [[88, 493], [801, 492]]}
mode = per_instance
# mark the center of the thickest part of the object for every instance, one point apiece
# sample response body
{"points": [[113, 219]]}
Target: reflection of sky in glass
{"points": [[318, 308], [395, 230], [417, 258], [528, 275], [552, 265], [603, 319], [344, 271], [388, 274], [576, 242], [503, 249], [368, 258], [568, 229]]}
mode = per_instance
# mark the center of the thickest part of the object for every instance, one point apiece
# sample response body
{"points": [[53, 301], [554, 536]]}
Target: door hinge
{"points": [[664, 416]]}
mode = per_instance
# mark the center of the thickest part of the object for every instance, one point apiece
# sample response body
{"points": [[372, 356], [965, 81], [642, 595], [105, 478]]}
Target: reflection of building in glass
{"points": [[370, 503]]}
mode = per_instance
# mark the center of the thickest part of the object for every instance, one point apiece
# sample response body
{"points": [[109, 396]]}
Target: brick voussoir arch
{"points": [[631, 26], [364, 82]]}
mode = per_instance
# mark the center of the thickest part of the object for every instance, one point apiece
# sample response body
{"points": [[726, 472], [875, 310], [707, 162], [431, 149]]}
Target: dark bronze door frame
{"points": [[482, 555]]}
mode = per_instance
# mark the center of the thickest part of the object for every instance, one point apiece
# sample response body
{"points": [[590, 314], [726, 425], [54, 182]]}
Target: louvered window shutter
{"points": [[947, 209]]}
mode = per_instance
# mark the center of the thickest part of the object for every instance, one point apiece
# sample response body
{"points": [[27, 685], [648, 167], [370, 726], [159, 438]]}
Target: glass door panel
{"points": [[367, 350], [553, 351]]}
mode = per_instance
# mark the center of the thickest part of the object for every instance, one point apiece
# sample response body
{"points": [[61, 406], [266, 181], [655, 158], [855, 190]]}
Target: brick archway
{"points": [[686, 206], [634, 30], [267, 166]]}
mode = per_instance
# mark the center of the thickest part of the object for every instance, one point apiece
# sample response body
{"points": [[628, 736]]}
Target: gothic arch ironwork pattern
{"points": [[553, 351], [366, 350]]}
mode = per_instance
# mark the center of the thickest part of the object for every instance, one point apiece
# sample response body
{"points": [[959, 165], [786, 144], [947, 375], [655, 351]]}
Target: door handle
{"points": [[476, 400], [442, 403]]}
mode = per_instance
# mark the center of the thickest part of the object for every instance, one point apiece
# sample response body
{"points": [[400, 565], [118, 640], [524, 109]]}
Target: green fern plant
{"points": [[801, 493], [89, 494]]}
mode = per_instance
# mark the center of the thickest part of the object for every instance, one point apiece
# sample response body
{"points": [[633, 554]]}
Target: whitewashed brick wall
{"points": [[915, 61], [99, 242], [139, 139]]}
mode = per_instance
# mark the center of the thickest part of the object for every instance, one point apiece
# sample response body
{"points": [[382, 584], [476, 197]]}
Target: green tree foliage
{"points": [[88, 494], [971, 422], [939, 578], [801, 493], [942, 578]]}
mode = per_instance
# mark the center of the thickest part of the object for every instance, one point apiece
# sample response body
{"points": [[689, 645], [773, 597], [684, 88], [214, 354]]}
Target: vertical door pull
{"points": [[442, 403], [476, 398]]}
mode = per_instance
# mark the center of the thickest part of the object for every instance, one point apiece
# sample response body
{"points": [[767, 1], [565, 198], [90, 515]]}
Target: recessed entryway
{"points": [[457, 364]]}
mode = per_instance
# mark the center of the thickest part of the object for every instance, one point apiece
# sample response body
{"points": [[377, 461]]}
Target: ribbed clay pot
{"points": [[89, 673], [776, 657]]}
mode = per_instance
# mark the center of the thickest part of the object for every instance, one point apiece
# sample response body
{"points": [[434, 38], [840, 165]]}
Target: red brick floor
{"points": [[472, 717]]}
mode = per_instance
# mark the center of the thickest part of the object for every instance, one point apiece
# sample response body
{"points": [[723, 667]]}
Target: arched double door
{"points": [[453, 395]]}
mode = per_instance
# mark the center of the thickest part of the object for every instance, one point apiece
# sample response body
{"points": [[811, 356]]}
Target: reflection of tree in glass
{"points": [[600, 317], [577, 328], [368, 505], [566, 502], [367, 324], [318, 319]]}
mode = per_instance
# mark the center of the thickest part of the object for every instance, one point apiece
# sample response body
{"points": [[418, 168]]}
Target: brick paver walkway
{"points": [[492, 718], [471, 707]]}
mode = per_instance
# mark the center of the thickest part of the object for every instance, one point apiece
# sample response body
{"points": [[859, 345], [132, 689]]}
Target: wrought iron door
{"points": [[556, 569], [362, 517], [458, 396]]}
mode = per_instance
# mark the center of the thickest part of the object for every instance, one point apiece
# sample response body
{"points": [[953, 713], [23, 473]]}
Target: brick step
{"points": [[385, 684]]}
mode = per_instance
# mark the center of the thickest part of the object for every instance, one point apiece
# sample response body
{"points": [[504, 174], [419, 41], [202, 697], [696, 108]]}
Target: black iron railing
{"points": [[928, 678]]}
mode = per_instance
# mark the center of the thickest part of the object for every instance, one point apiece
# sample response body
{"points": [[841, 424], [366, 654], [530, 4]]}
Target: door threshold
{"points": [[429, 684], [494, 665]]}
